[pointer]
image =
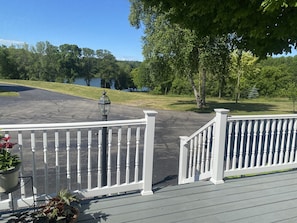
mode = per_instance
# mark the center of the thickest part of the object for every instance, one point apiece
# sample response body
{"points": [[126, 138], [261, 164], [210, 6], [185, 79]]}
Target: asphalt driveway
{"points": [[40, 106]]}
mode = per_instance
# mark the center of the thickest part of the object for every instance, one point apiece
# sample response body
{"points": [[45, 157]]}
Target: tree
{"points": [[292, 93], [124, 79], [260, 26], [24, 60], [88, 65], [243, 72], [253, 93], [140, 76], [69, 62], [275, 74], [172, 52], [44, 66], [8, 68], [52, 56], [107, 68], [169, 50]]}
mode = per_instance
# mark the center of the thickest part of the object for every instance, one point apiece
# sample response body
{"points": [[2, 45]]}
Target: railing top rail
{"points": [[72, 125], [208, 124], [261, 117]]}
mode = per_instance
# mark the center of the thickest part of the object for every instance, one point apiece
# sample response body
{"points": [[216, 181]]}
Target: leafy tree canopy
{"points": [[261, 26]]}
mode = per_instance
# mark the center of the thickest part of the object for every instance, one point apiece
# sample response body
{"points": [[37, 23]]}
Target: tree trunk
{"points": [[203, 83], [220, 88], [197, 96], [88, 81], [237, 93]]}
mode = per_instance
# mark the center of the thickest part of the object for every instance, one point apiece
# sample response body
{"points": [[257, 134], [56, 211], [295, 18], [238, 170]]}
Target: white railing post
{"points": [[148, 153], [182, 160], [219, 146]]}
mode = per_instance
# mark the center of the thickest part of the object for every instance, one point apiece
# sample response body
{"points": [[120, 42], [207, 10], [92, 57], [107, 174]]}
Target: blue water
{"points": [[95, 82]]}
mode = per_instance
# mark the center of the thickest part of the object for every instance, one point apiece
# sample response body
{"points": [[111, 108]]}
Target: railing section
{"points": [[238, 145], [69, 156], [258, 144], [196, 154]]}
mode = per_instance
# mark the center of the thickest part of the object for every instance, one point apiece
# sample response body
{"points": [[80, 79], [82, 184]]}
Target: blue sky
{"points": [[96, 24]]}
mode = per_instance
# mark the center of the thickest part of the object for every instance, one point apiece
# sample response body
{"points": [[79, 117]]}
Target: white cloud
{"points": [[7, 42]]}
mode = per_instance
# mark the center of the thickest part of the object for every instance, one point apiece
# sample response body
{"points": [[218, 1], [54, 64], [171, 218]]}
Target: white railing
{"points": [[69, 156], [195, 155], [240, 145]]}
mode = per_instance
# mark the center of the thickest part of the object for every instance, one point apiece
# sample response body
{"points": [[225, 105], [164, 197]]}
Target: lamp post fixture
{"points": [[104, 108]]}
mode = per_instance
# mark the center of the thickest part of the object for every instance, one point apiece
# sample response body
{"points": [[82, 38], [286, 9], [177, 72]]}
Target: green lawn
{"points": [[8, 93], [170, 102]]}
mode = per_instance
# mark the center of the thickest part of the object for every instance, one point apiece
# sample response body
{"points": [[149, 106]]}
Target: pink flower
{"points": [[5, 144]]}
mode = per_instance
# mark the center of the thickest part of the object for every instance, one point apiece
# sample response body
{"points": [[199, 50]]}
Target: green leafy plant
{"points": [[59, 209], [8, 160]]}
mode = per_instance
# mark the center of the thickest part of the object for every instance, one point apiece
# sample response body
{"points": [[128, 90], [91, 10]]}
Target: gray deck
{"points": [[268, 198]]}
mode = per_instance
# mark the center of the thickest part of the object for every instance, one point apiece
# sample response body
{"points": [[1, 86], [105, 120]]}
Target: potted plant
{"points": [[9, 165], [59, 209]]}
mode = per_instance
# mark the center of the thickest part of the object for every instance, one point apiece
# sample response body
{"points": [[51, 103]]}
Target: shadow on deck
{"points": [[266, 198]]}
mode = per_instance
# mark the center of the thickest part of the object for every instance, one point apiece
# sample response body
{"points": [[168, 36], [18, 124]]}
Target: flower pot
{"points": [[75, 216], [9, 179]]}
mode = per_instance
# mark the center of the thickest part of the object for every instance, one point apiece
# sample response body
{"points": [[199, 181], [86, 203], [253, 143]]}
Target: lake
{"points": [[95, 82]]}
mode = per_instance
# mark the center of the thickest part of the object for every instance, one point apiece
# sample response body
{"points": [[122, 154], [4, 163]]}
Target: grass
{"points": [[4, 93], [168, 102]]}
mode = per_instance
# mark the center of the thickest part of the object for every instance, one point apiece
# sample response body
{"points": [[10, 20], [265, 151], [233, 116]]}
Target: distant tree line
{"points": [[64, 63], [208, 66]]}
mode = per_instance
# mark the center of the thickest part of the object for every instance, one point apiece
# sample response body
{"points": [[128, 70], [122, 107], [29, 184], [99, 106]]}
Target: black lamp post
{"points": [[104, 108]]}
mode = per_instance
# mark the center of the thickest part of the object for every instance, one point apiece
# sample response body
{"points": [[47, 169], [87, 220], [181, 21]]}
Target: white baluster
{"points": [[213, 146], [33, 146], [199, 153], [109, 158], [57, 161], [288, 142], [228, 156], [203, 152], [190, 159], [267, 129], [20, 145], [207, 163], [137, 155], [89, 159], [234, 158], [45, 161], [247, 150], [253, 156], [68, 167], [259, 149], [276, 152], [78, 159], [195, 156], [292, 156], [99, 183], [282, 149], [242, 142], [119, 157], [128, 155], [270, 155]]}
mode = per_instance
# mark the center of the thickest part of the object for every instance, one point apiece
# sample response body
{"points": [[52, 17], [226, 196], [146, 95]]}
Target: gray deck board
{"points": [[267, 198]]}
